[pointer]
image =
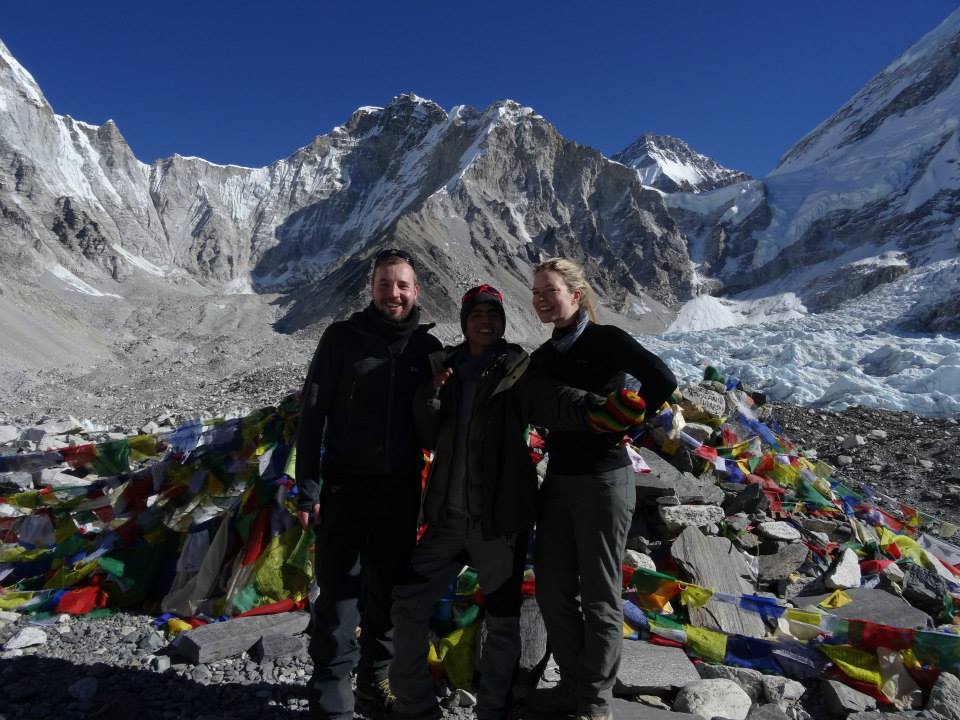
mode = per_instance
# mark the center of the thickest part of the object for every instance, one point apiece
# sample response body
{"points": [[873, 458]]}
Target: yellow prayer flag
{"points": [[855, 663], [836, 599], [13, 600], [811, 618], [947, 529], [176, 625], [708, 644], [694, 596]]}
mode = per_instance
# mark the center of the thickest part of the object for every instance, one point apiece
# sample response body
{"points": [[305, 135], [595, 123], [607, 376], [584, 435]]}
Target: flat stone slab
{"points": [[842, 699], [629, 710], [714, 563], [645, 667], [217, 641], [678, 517], [779, 530], [873, 605], [665, 479]]}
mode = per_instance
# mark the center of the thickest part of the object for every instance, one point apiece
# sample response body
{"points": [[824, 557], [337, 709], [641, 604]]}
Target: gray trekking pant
{"points": [[581, 536], [440, 555]]}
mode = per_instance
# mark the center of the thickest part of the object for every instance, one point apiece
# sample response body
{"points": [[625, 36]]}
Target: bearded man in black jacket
{"points": [[362, 492]]}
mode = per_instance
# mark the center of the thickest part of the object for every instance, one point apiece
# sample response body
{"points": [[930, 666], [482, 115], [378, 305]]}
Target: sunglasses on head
{"points": [[385, 255], [484, 290]]}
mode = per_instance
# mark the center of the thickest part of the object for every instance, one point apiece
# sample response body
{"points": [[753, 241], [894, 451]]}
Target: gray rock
{"points": [[924, 589], [665, 479], [814, 524], [28, 637], [751, 681], [678, 517], [698, 431], [770, 711], [945, 696], [779, 530], [875, 605], [853, 441], [270, 647], [160, 663], [786, 560], [846, 573], [8, 433], [713, 563], [22, 480], [627, 710], [780, 690], [533, 643], [844, 460], [645, 667], [635, 560], [217, 641], [151, 641], [841, 699], [750, 499], [713, 698]]}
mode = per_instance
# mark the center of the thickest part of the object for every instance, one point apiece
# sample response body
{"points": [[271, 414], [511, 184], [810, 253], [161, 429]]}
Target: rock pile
{"points": [[766, 576]]}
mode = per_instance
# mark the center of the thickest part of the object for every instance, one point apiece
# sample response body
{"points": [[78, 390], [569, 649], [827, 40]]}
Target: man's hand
{"points": [[306, 519], [440, 379]]}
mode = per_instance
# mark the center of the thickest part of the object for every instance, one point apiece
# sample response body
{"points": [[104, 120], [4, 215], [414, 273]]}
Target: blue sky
{"points": [[250, 82]]}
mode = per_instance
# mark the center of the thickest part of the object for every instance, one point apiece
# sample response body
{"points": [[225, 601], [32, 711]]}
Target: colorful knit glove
{"points": [[623, 409]]}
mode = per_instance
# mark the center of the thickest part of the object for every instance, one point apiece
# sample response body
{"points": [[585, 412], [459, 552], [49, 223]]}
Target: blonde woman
{"points": [[588, 496]]}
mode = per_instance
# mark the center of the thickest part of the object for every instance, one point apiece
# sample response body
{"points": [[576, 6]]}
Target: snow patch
{"points": [[76, 284], [140, 262], [238, 286]]}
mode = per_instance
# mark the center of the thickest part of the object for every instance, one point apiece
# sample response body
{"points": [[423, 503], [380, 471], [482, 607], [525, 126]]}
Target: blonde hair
{"points": [[572, 276]]}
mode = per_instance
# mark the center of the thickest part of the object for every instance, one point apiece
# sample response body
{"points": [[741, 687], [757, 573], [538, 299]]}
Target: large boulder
{"points": [[713, 698]]}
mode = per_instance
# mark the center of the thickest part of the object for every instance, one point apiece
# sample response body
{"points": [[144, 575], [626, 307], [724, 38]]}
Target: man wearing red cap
{"points": [[480, 499]]}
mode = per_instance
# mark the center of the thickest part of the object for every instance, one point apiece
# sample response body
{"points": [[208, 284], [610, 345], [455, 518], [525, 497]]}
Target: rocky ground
{"points": [[120, 666], [907, 457]]}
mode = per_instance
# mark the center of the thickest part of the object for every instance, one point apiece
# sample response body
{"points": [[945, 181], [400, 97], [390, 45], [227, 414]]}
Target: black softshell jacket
{"points": [[356, 404]]}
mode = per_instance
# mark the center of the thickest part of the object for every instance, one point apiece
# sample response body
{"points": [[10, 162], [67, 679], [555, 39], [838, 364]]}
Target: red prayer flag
{"points": [[82, 600]]}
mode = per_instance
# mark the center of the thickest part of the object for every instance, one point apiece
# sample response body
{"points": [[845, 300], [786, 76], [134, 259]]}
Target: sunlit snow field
{"points": [[850, 356]]}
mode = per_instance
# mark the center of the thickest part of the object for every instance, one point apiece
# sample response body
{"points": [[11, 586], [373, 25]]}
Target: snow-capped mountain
{"points": [[111, 252], [869, 195], [476, 195], [669, 164]]}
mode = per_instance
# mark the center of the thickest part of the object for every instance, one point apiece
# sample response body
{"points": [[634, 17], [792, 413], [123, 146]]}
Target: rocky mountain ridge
{"points": [[869, 195], [669, 164]]}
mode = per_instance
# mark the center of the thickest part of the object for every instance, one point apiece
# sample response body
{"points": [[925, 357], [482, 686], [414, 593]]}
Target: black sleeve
{"points": [[657, 382], [551, 404], [314, 407]]}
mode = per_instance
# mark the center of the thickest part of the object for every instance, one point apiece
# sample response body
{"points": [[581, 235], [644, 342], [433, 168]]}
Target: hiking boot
{"points": [[433, 713], [375, 695], [558, 700]]}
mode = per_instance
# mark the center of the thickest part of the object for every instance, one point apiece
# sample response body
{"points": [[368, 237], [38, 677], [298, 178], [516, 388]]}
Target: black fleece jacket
{"points": [[356, 404], [597, 362]]}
